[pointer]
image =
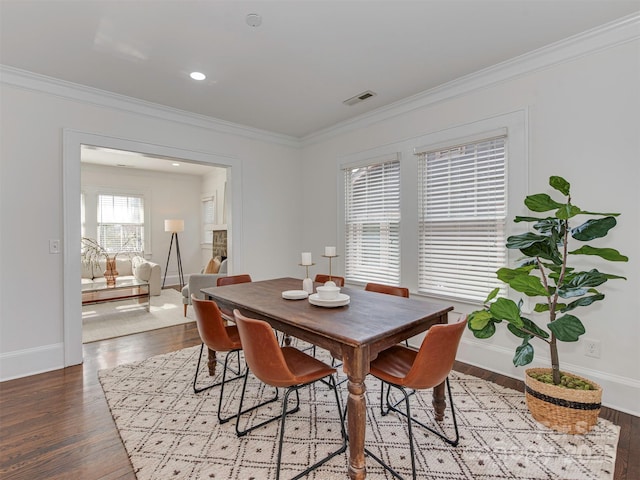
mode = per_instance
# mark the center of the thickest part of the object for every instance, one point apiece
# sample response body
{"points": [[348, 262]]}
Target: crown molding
{"points": [[623, 30], [73, 91]]}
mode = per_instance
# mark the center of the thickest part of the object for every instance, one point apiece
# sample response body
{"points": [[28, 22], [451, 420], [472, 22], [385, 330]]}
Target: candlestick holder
{"points": [[330, 257], [307, 283]]}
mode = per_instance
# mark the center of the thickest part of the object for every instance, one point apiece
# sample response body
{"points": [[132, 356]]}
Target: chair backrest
{"points": [[233, 279], [322, 278], [211, 327], [435, 358], [262, 352], [388, 289]]}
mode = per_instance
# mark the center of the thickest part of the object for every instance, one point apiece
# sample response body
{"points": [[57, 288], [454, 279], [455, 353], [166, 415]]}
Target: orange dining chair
{"points": [[322, 278], [389, 290], [406, 368], [231, 280], [218, 337], [284, 367]]}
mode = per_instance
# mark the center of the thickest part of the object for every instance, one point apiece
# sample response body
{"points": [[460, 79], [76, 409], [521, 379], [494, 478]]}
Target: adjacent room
{"points": [[320, 239]]}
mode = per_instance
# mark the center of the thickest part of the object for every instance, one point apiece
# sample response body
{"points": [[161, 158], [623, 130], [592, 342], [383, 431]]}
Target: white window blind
{"points": [[462, 194], [208, 219], [372, 223], [121, 223]]}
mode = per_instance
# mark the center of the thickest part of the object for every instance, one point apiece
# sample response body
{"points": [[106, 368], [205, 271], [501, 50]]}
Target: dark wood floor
{"points": [[57, 425]]}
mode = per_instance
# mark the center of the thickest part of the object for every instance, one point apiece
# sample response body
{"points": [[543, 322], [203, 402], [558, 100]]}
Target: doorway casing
{"points": [[72, 142]]}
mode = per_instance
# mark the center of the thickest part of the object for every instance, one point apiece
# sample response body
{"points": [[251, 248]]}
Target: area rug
{"points": [[115, 319], [170, 432]]}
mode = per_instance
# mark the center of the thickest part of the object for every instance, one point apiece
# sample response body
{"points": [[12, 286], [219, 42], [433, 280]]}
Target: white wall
{"points": [[584, 125], [35, 117]]}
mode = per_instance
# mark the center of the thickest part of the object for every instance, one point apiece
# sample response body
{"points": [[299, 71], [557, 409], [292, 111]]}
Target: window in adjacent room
{"points": [[208, 208], [121, 222], [462, 217], [372, 221]]}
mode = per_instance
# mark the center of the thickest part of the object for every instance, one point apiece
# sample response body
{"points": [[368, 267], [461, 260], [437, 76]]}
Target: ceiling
{"points": [[291, 74]]}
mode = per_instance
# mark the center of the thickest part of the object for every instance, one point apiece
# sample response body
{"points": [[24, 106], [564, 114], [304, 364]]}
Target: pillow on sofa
{"points": [[141, 268], [213, 266]]}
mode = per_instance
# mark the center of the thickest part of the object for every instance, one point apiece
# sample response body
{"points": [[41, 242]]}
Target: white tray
{"points": [[341, 301], [295, 294]]}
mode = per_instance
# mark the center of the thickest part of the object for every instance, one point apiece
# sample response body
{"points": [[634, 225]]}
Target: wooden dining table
{"points": [[355, 333]]}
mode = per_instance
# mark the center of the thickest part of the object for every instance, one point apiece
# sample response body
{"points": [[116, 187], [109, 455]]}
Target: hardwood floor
{"points": [[57, 425]]}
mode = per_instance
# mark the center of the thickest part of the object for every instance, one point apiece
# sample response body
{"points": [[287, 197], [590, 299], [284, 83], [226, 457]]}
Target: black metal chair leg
{"points": [[331, 383], [241, 433], [238, 373]]}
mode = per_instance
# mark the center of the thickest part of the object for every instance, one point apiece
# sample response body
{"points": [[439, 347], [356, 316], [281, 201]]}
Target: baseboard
{"points": [[31, 361], [619, 393]]}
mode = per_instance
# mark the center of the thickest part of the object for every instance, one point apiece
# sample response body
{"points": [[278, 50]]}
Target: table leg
{"points": [[356, 366], [438, 402], [212, 362]]}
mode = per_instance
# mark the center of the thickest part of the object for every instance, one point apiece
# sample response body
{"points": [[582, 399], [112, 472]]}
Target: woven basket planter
{"points": [[562, 409]]}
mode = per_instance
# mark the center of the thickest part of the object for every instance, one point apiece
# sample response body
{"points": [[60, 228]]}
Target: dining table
{"points": [[354, 332]]}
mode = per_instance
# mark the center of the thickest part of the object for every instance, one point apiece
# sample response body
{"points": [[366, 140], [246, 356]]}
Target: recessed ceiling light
{"points": [[175, 164], [198, 76]]}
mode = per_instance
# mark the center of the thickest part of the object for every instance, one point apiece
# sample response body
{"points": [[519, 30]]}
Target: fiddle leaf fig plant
{"points": [[545, 272]]}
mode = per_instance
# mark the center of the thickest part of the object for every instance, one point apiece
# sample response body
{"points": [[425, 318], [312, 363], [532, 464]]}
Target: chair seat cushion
{"points": [[304, 367], [393, 364]]}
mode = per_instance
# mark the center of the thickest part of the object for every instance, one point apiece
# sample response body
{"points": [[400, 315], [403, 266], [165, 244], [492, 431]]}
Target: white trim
{"points": [[61, 88], [72, 141], [619, 393], [31, 361], [609, 35]]}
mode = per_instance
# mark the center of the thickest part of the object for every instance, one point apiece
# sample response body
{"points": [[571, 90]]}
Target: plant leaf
{"points": [[544, 307], [519, 219], [506, 309], [529, 285], [581, 302], [524, 354], [492, 295], [524, 240], [547, 250], [541, 202], [580, 282], [560, 184], [593, 228], [567, 328], [481, 324], [530, 327], [610, 254], [567, 211]]}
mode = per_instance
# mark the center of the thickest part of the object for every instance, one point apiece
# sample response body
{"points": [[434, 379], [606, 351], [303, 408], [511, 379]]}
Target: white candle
{"points": [[306, 258], [329, 251]]}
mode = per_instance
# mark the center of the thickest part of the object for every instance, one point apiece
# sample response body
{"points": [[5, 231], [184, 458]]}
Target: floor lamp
{"points": [[174, 226]]}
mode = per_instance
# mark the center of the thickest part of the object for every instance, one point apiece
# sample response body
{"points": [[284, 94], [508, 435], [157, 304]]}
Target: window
{"points": [[462, 217], [121, 223], [208, 219], [372, 222]]}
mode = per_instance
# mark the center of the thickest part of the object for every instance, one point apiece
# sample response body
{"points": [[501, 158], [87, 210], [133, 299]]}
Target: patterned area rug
{"points": [[115, 319], [171, 433]]}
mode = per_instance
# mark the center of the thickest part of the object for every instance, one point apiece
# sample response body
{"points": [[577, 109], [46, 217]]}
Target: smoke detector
{"points": [[361, 97]]}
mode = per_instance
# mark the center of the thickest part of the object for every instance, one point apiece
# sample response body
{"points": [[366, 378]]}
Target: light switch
{"points": [[54, 246]]}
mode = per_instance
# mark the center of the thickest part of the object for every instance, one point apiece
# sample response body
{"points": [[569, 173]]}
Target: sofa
{"points": [[198, 281], [134, 267]]}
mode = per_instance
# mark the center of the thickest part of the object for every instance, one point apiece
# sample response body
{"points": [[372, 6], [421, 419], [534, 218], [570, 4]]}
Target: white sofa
{"points": [[134, 267]]}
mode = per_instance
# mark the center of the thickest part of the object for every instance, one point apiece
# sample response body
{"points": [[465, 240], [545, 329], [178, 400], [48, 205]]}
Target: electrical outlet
{"points": [[591, 348]]}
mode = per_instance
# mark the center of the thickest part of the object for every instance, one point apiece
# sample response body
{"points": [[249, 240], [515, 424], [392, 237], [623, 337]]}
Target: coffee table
{"points": [[124, 289]]}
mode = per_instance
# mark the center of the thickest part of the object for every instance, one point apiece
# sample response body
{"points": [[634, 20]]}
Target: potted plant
{"points": [[93, 252], [561, 401]]}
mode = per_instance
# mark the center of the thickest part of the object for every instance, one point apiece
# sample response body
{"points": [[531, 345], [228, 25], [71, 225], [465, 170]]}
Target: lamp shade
{"points": [[174, 226]]}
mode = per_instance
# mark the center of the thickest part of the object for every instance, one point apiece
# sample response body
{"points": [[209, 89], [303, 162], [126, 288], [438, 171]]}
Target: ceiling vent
{"points": [[361, 97]]}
